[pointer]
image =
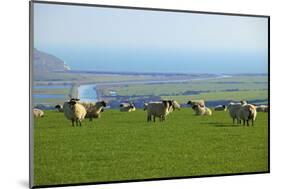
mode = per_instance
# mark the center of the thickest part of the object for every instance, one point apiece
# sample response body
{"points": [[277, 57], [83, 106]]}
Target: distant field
{"points": [[123, 146], [235, 96], [233, 88], [222, 84]]}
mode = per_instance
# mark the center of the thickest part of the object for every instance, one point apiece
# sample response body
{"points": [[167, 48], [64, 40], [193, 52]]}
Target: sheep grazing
{"points": [[220, 108], [74, 111], [233, 109], [195, 102], [94, 109], [262, 108], [127, 107], [199, 110], [158, 109], [59, 108], [246, 113], [38, 113]]}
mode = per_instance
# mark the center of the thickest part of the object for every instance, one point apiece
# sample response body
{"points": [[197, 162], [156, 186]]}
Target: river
{"points": [[88, 93]]}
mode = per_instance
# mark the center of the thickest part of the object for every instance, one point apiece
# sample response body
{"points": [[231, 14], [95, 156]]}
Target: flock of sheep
{"points": [[76, 111]]}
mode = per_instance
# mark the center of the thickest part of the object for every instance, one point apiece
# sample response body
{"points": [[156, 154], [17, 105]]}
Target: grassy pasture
{"points": [[123, 146]]}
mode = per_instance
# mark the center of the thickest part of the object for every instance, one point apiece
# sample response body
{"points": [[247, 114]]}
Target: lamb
{"points": [[94, 109], [247, 112], [74, 111], [194, 102], [127, 107], [221, 108], [38, 112], [158, 109], [233, 109], [199, 110], [59, 108], [262, 108]]}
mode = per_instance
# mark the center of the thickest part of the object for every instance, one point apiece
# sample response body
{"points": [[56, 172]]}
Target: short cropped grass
{"points": [[123, 146]]}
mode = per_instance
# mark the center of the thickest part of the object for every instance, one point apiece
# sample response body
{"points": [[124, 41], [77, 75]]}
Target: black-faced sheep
{"points": [[59, 108], [74, 111], [158, 109], [94, 109], [127, 107]]}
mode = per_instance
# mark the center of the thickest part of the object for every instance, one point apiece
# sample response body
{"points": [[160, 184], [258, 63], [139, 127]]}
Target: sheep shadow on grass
{"points": [[219, 124]]}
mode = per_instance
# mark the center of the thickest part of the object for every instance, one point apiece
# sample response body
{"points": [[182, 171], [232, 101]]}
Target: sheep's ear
{"points": [[121, 105], [189, 102]]}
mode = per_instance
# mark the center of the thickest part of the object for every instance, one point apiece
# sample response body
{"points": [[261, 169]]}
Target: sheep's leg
{"points": [[72, 122], [148, 118], [80, 123], [153, 118], [247, 122], [243, 122], [233, 121]]}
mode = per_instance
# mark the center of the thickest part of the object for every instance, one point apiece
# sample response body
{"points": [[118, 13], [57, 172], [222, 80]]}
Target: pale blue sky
{"points": [[131, 40]]}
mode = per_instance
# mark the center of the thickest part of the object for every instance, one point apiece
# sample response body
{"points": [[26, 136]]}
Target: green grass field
{"points": [[123, 146]]}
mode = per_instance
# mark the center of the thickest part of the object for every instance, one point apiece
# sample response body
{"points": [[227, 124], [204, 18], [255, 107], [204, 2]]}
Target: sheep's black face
{"points": [[170, 102], [72, 103], [132, 106], [57, 106], [189, 102], [103, 103], [194, 107]]}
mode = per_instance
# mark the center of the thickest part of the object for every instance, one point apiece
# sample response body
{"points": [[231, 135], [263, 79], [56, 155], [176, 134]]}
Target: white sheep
{"points": [[158, 109], [199, 110], [94, 109], [262, 108], [234, 108], [59, 108], [38, 112], [74, 111], [246, 113], [220, 108], [127, 107]]}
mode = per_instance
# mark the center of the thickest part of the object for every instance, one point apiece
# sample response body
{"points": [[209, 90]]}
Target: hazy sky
{"points": [[106, 39]]}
